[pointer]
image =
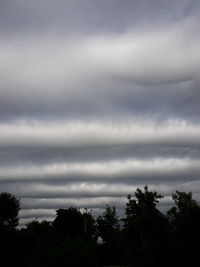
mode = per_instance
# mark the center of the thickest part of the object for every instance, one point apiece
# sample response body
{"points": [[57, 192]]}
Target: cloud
{"points": [[37, 213], [130, 169], [42, 208], [86, 134], [81, 190], [96, 99], [20, 17], [117, 69], [62, 203]]}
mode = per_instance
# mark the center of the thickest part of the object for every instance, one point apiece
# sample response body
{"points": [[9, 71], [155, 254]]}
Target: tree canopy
{"points": [[145, 236], [108, 225], [9, 208]]}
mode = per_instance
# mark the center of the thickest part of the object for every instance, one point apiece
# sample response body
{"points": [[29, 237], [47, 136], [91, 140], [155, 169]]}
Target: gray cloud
{"points": [[73, 16], [88, 134], [96, 99], [117, 70], [129, 170], [88, 190], [37, 156]]}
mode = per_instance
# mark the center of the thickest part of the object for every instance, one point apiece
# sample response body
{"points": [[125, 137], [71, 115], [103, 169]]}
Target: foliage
{"points": [[185, 214], [145, 227], [185, 221], [69, 222], [9, 208], [108, 228], [144, 202], [108, 225], [141, 213], [184, 205], [147, 238], [90, 229]]}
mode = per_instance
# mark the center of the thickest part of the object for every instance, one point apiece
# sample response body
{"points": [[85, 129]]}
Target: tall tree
{"points": [[90, 229], [142, 214], [184, 205], [69, 222], [109, 230], [108, 225], [184, 217], [145, 227], [9, 208]]}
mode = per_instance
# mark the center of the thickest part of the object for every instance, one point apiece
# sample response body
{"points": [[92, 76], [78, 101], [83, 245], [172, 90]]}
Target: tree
{"points": [[144, 202], [142, 214], [185, 220], [69, 222], [90, 230], [184, 205], [72, 222], [75, 235], [43, 229], [184, 215], [108, 225], [145, 227], [9, 208], [108, 228]]}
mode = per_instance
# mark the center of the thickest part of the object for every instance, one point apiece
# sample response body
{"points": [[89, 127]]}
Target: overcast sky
{"points": [[97, 98]]}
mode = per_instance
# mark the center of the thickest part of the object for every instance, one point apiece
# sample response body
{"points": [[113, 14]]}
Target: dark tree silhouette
{"points": [[141, 213], [145, 227], [43, 229], [76, 240], [147, 238], [90, 229], [9, 208], [108, 225], [185, 221], [184, 205], [69, 222], [108, 228]]}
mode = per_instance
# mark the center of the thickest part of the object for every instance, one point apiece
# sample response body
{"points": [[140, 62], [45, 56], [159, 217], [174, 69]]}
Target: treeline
{"points": [[144, 237]]}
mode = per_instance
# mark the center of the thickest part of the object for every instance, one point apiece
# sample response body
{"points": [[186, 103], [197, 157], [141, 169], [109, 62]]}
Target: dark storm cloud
{"points": [[96, 99]]}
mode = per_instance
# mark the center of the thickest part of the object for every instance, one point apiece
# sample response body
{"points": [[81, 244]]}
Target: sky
{"points": [[98, 98]]}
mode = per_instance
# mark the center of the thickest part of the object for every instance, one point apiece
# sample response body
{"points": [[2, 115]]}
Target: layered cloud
{"points": [[118, 171], [96, 99], [105, 74], [86, 134]]}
